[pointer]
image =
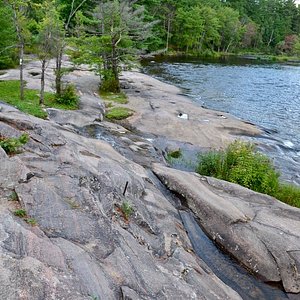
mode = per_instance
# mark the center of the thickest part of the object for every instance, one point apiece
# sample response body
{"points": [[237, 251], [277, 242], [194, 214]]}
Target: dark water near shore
{"points": [[265, 94]]}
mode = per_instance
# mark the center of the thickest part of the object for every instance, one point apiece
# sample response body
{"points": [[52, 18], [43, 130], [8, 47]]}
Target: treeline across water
{"points": [[207, 26]]}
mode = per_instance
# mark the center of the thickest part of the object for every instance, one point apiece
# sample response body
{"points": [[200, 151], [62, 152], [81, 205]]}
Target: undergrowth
{"points": [[13, 145], [10, 93], [240, 163]]}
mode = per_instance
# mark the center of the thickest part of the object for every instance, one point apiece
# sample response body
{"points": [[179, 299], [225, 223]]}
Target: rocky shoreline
{"points": [[72, 185]]}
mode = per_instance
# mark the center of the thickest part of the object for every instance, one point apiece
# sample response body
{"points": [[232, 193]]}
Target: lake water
{"points": [[265, 94]]}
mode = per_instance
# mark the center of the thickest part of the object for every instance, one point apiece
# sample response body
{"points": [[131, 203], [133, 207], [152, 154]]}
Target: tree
{"points": [[19, 11], [49, 35], [61, 43], [7, 38], [189, 26], [230, 28], [120, 28]]}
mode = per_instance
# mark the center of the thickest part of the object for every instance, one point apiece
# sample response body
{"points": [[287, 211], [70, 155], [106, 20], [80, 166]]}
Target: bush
{"points": [[13, 145], [240, 163], [289, 194], [175, 154], [110, 85], [68, 96]]}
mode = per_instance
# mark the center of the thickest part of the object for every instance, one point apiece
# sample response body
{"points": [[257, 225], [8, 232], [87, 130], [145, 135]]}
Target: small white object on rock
{"points": [[183, 116]]}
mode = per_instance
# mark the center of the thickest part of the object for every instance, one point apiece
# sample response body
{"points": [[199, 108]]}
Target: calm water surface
{"points": [[267, 95]]}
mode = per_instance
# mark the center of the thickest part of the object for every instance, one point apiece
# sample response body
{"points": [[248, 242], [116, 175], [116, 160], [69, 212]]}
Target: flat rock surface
{"points": [[259, 231], [158, 106]]}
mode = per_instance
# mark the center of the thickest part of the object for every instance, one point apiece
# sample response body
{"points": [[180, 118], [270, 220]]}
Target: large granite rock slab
{"points": [[75, 242], [259, 231]]}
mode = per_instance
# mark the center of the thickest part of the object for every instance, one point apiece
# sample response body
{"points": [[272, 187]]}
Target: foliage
{"points": [[9, 94], [127, 209], [115, 97], [68, 96], [31, 221], [174, 154], [13, 145], [240, 163], [20, 213], [13, 196], [110, 84], [7, 38], [289, 194], [118, 31], [118, 113]]}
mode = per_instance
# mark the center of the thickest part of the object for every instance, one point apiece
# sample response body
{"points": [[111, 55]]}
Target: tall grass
{"points": [[240, 163]]}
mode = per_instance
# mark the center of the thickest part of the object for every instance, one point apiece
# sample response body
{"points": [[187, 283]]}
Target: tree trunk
{"points": [[42, 93], [201, 41], [271, 38], [168, 34], [228, 46], [58, 73], [21, 70], [114, 67]]}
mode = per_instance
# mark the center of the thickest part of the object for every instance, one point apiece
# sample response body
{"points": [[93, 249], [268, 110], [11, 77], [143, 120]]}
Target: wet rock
{"points": [[259, 231]]}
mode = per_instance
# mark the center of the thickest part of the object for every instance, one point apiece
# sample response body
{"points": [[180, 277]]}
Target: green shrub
{"points": [[68, 96], [110, 85], [118, 113], [174, 154], [126, 209], [240, 163], [13, 145], [289, 194]]}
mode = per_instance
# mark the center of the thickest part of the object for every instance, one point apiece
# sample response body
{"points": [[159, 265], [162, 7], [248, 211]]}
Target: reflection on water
{"points": [[265, 94]]}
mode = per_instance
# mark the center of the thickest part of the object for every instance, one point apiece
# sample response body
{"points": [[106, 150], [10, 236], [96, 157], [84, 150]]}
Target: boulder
{"points": [[261, 232]]}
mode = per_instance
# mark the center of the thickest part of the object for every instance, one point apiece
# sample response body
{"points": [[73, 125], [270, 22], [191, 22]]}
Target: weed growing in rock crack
{"points": [[13, 145], [13, 196], [127, 209], [31, 221], [20, 213]]}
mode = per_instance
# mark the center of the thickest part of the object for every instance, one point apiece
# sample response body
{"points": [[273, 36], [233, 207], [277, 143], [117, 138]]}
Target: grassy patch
{"points": [[118, 113], [10, 93], [114, 97], [242, 164]]}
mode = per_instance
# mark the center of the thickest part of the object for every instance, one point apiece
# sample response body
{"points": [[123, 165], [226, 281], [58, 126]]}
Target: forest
{"points": [[108, 34]]}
